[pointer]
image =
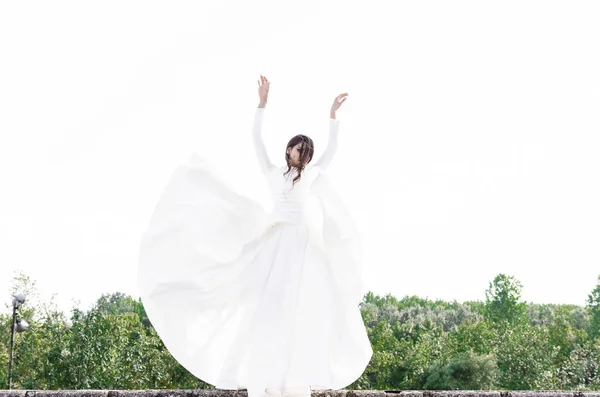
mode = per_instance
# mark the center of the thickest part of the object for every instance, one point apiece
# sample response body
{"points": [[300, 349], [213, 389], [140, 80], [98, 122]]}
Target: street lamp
{"points": [[21, 326]]}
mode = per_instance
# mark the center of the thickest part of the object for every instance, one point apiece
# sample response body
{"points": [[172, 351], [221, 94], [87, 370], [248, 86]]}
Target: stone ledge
{"points": [[314, 393]]}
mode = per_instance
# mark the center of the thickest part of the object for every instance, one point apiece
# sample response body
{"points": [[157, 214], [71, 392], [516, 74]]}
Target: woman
{"points": [[246, 299]]}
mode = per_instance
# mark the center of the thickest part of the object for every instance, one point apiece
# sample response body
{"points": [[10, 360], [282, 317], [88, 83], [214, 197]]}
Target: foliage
{"points": [[418, 344], [502, 301], [593, 307], [465, 371]]}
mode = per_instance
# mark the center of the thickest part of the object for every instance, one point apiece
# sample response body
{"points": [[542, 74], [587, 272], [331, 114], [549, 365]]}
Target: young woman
{"points": [[249, 300]]}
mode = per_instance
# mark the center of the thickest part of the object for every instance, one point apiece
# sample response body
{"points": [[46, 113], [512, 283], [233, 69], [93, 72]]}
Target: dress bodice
{"points": [[290, 202]]}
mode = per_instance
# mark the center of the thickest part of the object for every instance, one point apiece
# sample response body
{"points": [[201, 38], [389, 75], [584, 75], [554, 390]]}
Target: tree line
{"points": [[501, 343]]}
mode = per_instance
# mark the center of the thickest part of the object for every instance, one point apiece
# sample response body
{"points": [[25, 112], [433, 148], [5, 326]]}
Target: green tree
{"points": [[502, 301], [525, 357], [563, 335], [465, 371], [119, 303], [581, 370], [417, 344], [106, 348], [471, 336], [593, 307], [431, 345], [386, 350]]}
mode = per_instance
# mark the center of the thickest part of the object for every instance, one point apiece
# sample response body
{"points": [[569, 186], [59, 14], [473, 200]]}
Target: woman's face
{"points": [[294, 153]]}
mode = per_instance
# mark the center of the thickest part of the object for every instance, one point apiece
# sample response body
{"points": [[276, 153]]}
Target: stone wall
{"points": [[315, 393]]}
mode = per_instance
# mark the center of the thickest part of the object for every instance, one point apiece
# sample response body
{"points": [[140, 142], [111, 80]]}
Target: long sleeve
{"points": [[332, 144], [259, 146]]}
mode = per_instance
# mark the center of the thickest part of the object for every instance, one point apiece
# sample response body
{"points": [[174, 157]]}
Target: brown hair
{"points": [[306, 153]]}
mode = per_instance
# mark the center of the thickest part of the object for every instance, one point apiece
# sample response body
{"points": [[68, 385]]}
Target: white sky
{"points": [[468, 145]]}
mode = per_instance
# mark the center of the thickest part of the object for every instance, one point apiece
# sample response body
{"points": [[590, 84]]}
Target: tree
{"points": [[476, 337], [119, 303], [581, 371], [502, 301], [465, 371], [593, 307], [563, 334]]}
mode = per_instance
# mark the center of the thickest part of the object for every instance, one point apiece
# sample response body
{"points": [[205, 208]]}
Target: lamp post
{"points": [[21, 326]]}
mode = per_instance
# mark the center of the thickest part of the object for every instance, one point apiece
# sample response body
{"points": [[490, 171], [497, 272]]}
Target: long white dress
{"points": [[249, 300]]}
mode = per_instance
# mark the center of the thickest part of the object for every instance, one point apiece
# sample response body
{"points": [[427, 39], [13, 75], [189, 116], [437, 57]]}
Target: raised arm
{"points": [[259, 146], [334, 127], [332, 144]]}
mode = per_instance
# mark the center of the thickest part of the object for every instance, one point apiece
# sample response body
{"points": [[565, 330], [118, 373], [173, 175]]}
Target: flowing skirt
{"points": [[246, 305]]}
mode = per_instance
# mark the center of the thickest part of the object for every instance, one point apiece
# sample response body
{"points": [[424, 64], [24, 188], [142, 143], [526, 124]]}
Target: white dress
{"points": [[249, 300]]}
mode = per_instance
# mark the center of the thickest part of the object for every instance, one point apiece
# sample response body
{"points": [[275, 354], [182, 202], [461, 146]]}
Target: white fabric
{"points": [[246, 299]]}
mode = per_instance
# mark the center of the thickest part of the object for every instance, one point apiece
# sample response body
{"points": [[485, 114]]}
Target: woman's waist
{"points": [[287, 216], [288, 213], [288, 206], [314, 234]]}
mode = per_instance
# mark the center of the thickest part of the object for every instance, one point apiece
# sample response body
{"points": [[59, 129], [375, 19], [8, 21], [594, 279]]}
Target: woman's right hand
{"points": [[263, 89]]}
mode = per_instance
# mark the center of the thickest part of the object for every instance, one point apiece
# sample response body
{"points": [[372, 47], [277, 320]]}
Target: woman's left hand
{"points": [[337, 102]]}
